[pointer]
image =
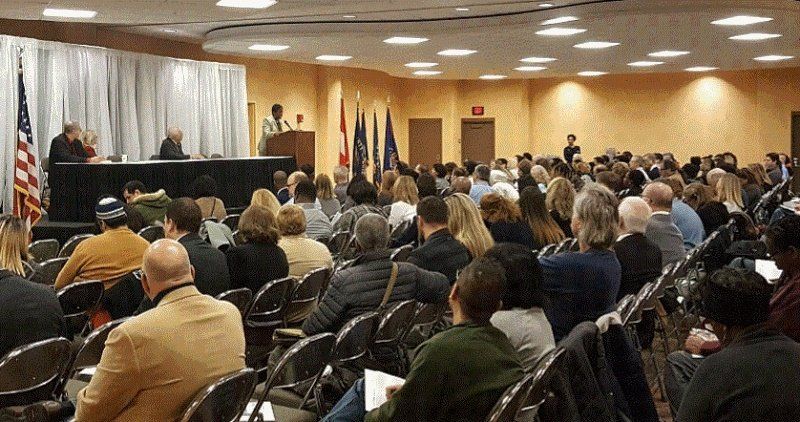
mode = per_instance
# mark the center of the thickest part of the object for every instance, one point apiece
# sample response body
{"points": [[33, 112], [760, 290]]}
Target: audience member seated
{"points": [[364, 195], [460, 184], [504, 220], [729, 192], [712, 213], [385, 196], [291, 184], [265, 198], [171, 146], [583, 286], [712, 177], [259, 259], [89, 142], [755, 375], [318, 225], [440, 171], [109, 256], [660, 229], [405, 197], [341, 174], [67, 148], [773, 166], [751, 189], [29, 312], [302, 254], [545, 230], [152, 206], [154, 364], [525, 179], [761, 176], [522, 317], [328, 203], [466, 226], [639, 258], [426, 186], [440, 252], [480, 183], [687, 220], [361, 287], [281, 190], [559, 200], [459, 374], [204, 193], [783, 244], [632, 183]]}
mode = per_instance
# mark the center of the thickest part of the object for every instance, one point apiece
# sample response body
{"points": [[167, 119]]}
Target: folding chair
{"points": [[224, 400], [42, 250], [265, 315], [239, 297], [541, 385], [152, 233], [77, 301], [232, 221], [305, 295], [401, 254], [48, 271], [393, 326], [30, 373], [73, 243]]}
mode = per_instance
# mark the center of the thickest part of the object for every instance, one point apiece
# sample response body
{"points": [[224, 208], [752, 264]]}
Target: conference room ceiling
{"points": [[501, 32]]}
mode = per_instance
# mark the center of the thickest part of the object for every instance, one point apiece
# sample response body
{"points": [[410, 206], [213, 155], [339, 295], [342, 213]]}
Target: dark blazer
{"points": [[210, 267], [29, 312], [441, 253], [713, 215], [640, 260], [517, 232], [63, 151], [254, 264], [170, 150]]}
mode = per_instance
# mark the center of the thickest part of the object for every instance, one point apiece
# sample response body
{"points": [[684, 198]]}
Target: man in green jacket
{"points": [[152, 206], [459, 374]]}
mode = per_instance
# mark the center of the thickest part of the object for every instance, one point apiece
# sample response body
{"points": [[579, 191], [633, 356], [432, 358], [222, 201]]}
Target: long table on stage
{"points": [[75, 187]]}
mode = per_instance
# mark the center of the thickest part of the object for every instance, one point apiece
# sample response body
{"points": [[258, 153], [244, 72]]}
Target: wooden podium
{"points": [[295, 143]]}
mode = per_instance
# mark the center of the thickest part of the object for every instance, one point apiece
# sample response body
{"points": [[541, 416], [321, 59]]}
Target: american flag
{"points": [[27, 203]]}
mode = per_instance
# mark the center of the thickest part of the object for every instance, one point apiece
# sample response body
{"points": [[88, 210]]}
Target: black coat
{"points": [[640, 260], [63, 151], [516, 232], [253, 265], [713, 215], [29, 312], [441, 253], [171, 150], [211, 274], [360, 288]]}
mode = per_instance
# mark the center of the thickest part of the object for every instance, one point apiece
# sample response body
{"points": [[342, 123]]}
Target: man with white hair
{"points": [[639, 258], [171, 148], [661, 230]]}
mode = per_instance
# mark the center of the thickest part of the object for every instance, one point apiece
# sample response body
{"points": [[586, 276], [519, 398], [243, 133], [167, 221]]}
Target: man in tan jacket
{"points": [[154, 364]]}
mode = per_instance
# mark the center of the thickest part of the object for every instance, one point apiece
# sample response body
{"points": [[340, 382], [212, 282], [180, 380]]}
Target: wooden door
{"points": [[477, 139], [424, 141]]}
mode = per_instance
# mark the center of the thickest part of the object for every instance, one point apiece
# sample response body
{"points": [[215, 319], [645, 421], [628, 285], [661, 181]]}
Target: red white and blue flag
{"points": [[27, 203]]}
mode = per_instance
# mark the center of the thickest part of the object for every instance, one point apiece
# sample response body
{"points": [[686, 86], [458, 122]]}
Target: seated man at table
{"points": [[152, 206], [171, 146], [155, 363], [68, 148]]}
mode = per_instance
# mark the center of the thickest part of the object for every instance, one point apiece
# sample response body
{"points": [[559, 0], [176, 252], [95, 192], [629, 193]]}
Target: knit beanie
{"points": [[109, 208]]}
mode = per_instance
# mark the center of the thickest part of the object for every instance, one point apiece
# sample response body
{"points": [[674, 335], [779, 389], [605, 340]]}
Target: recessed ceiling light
{"points": [[560, 32], [428, 72], [456, 52], [405, 40], [754, 36], [333, 58], [170, 31], [668, 53], [70, 13], [701, 69], [545, 4], [247, 4], [591, 73], [740, 20], [462, 9], [529, 68], [268, 47], [349, 16], [421, 64], [562, 19], [491, 77], [595, 45], [773, 58], [644, 63], [537, 60]]}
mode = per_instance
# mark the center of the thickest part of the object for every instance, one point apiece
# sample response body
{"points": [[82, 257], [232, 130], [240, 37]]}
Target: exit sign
{"points": [[477, 110]]}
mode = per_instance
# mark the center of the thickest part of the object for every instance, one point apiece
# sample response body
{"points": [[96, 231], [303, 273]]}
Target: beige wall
{"points": [[746, 112]]}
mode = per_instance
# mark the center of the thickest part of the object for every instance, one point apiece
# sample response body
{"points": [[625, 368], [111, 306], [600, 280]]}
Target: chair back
{"points": [[355, 338], [78, 298], [564, 245], [238, 238], [30, 373], [399, 229], [232, 221], [152, 233], [634, 314], [542, 377], [29, 271], [239, 297], [155, 157], [394, 323], [42, 250], [223, 400], [72, 243], [511, 401], [401, 254], [216, 155], [426, 315], [624, 304], [338, 242], [547, 250], [308, 289], [269, 303], [48, 271]]}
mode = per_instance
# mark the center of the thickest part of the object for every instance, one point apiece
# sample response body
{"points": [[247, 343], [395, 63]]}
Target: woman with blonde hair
{"points": [[265, 198], [406, 197], [541, 177], [559, 201], [385, 196], [761, 175], [504, 220], [89, 142], [327, 200], [729, 192], [465, 223]]}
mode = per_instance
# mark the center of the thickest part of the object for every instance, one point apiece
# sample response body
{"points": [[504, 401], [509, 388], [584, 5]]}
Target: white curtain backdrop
{"points": [[129, 99]]}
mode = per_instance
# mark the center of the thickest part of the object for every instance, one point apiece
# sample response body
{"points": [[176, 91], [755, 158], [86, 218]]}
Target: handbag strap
{"points": [[390, 286]]}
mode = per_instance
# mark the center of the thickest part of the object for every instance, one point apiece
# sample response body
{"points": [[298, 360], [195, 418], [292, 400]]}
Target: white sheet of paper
{"points": [[265, 411], [375, 383], [768, 269]]}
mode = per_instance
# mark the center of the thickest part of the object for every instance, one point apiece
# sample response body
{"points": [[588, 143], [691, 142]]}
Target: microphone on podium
{"points": [[287, 125]]}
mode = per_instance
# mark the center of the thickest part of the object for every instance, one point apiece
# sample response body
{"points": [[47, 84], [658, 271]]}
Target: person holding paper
{"points": [[459, 374]]}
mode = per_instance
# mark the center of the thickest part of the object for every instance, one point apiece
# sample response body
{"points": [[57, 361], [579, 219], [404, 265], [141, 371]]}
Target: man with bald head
{"points": [[171, 148], [155, 363], [67, 147], [661, 230], [461, 185]]}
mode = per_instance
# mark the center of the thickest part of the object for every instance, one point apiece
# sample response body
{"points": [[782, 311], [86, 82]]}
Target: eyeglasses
{"points": [[138, 274]]}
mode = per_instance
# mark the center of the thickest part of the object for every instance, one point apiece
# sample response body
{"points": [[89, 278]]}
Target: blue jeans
{"points": [[351, 407]]}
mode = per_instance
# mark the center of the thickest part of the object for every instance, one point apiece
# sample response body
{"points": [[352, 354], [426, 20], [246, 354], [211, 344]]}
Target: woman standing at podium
{"points": [[273, 125]]}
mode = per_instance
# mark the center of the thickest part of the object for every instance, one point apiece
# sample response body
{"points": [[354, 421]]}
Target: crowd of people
{"points": [[475, 229]]}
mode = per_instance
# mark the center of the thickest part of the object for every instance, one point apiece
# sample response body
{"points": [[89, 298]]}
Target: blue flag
{"points": [[376, 156], [363, 150], [357, 159], [390, 153]]}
